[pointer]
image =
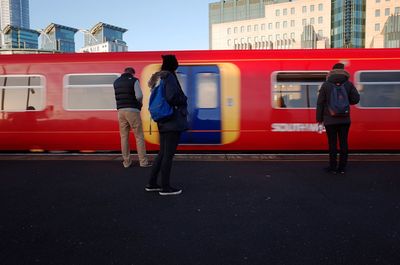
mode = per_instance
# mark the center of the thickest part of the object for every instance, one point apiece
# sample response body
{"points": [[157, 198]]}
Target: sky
{"points": [[152, 24]]}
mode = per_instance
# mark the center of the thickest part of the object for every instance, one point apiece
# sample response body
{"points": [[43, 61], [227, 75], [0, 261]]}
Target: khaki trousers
{"points": [[131, 120]]}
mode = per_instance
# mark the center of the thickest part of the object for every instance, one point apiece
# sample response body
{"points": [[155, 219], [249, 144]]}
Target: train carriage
{"points": [[238, 100]]}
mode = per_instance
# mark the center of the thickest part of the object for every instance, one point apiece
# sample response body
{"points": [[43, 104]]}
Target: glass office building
{"points": [[348, 23], [20, 38], [58, 38], [392, 32], [14, 13], [104, 38], [102, 33]]}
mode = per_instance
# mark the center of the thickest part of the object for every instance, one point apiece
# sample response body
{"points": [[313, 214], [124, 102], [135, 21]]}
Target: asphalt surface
{"points": [[230, 212]]}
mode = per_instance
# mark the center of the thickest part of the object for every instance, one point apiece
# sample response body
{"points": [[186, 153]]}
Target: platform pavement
{"points": [[230, 212]]}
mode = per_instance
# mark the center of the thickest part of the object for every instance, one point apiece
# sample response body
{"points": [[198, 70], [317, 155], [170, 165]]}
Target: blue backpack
{"points": [[338, 104], [158, 105]]}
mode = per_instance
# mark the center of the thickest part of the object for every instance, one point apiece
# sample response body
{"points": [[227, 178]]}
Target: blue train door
{"points": [[201, 85]]}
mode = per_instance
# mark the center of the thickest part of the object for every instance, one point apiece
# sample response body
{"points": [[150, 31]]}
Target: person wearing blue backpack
{"points": [[170, 128], [335, 96]]}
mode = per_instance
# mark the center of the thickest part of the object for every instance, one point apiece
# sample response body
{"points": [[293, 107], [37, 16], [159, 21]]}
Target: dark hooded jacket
{"points": [[124, 88], [338, 77], [176, 98]]}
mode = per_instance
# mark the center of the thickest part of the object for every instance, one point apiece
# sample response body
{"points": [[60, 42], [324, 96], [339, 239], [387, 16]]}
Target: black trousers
{"points": [[163, 162], [335, 132]]}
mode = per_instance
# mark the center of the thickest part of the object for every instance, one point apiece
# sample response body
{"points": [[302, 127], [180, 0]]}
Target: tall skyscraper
{"points": [[348, 23], [14, 13]]}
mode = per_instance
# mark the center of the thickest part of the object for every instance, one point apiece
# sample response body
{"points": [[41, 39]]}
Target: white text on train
{"points": [[294, 127]]}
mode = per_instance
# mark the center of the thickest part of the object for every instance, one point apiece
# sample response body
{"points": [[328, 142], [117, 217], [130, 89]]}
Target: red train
{"points": [[238, 100]]}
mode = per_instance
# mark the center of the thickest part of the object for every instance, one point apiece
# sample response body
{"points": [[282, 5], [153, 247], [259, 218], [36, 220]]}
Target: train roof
{"points": [[206, 55]]}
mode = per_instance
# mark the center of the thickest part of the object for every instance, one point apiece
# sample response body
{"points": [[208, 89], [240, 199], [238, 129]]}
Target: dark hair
{"points": [[338, 66], [129, 70], [170, 63]]}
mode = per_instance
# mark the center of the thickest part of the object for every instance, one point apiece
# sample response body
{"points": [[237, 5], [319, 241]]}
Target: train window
{"points": [[379, 89], [89, 91], [22, 93], [182, 78], [296, 90], [207, 92]]}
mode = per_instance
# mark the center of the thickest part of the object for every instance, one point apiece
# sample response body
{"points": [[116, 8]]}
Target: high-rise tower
{"points": [[14, 13]]}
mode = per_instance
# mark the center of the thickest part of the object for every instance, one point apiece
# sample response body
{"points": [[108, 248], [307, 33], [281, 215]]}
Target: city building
{"points": [[19, 38], [104, 38], [281, 24], [14, 13], [382, 18], [58, 38], [304, 24], [348, 23]]}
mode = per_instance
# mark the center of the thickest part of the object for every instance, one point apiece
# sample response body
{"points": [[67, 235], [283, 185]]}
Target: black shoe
{"points": [[170, 191], [330, 170], [152, 188]]}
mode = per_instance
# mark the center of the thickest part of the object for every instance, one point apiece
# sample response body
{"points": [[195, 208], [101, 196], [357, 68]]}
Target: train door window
{"points": [[89, 91], [379, 89], [296, 90], [182, 78], [207, 92], [22, 93]]}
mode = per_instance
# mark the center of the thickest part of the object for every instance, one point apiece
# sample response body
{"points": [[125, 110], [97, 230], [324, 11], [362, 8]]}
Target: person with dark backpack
{"points": [[168, 92], [335, 96]]}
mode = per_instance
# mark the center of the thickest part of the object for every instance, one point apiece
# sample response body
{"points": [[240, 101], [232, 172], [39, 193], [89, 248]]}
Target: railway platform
{"points": [[88, 209]]}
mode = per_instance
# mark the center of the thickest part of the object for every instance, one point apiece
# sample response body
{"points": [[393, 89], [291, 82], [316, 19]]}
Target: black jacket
{"points": [[124, 88], [176, 98], [336, 76]]}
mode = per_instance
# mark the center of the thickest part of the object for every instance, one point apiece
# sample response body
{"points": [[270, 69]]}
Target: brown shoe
{"points": [[146, 165], [127, 164]]}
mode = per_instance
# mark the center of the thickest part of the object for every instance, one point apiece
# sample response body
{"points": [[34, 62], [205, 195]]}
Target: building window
{"points": [[89, 91], [304, 22], [304, 9], [229, 43], [320, 7], [320, 20], [229, 31], [296, 90], [397, 10], [278, 36], [311, 8], [379, 89], [285, 24], [277, 12], [269, 25], [321, 33], [377, 27], [22, 93], [292, 35], [377, 1], [377, 13], [312, 20], [277, 25], [285, 11], [249, 28], [255, 27], [292, 11], [387, 11], [262, 26], [292, 23], [242, 29]]}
